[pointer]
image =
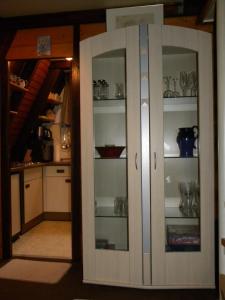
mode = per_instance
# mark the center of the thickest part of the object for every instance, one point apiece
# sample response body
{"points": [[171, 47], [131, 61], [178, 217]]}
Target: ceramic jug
{"points": [[186, 138]]}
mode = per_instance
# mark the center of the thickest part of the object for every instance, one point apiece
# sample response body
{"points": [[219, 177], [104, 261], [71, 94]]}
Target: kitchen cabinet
{"points": [[148, 210], [15, 204], [57, 189], [33, 194]]}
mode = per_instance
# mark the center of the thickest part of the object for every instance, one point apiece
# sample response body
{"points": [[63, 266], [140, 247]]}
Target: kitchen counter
{"points": [[19, 167]]}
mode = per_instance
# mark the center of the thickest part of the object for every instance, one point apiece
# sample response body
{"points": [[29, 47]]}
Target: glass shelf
{"points": [[17, 87], [177, 156], [180, 104], [176, 213], [109, 106], [109, 99], [110, 158], [108, 212]]}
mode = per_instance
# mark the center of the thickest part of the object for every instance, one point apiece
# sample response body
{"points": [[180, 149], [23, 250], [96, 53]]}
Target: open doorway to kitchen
{"points": [[39, 132]]}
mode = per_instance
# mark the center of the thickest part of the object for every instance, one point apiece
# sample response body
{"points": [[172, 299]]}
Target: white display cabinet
{"points": [[147, 158]]}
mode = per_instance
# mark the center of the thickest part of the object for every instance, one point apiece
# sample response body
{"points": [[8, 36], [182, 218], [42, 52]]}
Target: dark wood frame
{"points": [[10, 26]]}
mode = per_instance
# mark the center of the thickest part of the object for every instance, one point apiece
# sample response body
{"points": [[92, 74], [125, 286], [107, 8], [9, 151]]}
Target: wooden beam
{"points": [[207, 11], [88, 30], [189, 22], [56, 19]]}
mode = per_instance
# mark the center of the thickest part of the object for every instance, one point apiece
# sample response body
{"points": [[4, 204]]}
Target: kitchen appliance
{"points": [[42, 149]]}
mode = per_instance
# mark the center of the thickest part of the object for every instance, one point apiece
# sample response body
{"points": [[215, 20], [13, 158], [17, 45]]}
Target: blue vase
{"points": [[186, 140]]}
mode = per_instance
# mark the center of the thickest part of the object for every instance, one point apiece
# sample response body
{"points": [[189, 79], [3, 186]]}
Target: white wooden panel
{"points": [[156, 142], [194, 269], [15, 203], [107, 41], [32, 173], [206, 121], [57, 171], [112, 266], [57, 194], [199, 267], [133, 138], [33, 200], [175, 36], [87, 169], [107, 265]]}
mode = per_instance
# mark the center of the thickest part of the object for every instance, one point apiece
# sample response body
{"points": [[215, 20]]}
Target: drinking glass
{"points": [[187, 192], [184, 82]]}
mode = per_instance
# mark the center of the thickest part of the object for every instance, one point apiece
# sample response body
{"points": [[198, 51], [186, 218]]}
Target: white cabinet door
{"points": [[139, 227], [15, 204], [33, 194], [182, 172], [57, 194], [111, 206]]}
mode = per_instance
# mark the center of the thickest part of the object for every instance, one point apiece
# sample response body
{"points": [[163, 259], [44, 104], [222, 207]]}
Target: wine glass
{"points": [[194, 89], [184, 82], [175, 92], [167, 93]]}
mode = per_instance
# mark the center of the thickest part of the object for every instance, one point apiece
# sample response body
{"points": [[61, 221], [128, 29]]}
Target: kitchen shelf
{"points": [[109, 106], [13, 112], [54, 101], [46, 119], [176, 213], [108, 212], [180, 104], [17, 88]]}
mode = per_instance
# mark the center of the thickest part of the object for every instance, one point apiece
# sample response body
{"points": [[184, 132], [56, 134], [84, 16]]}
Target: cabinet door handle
{"points": [[136, 165], [155, 160], [60, 171], [67, 180], [27, 186]]}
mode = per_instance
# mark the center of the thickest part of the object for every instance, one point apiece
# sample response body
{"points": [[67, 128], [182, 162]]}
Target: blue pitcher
{"points": [[186, 138]]}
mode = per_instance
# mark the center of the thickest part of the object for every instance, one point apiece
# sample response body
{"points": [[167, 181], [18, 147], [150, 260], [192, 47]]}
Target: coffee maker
{"points": [[42, 146]]}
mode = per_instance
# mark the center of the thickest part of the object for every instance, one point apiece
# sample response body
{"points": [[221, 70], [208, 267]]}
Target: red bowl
{"points": [[110, 151]]}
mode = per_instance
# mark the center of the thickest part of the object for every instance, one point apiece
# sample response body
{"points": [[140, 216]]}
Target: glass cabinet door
{"points": [[109, 151], [181, 151]]}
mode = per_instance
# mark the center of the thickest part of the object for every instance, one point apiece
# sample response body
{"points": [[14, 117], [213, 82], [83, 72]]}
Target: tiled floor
{"points": [[50, 239]]}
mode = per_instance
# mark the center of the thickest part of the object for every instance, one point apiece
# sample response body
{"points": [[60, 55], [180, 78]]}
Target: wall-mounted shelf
{"points": [[17, 87], [54, 101], [12, 112], [46, 119]]}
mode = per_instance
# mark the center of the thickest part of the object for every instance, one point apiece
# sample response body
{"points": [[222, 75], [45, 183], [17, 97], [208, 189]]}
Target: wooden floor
{"points": [[69, 286]]}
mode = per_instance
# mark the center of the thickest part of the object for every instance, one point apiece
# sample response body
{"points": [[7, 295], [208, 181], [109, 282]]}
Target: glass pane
{"points": [[181, 152], [110, 155]]}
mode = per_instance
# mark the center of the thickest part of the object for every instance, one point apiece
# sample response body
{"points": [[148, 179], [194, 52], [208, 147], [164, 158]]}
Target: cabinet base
{"points": [[27, 226], [57, 216], [151, 287]]}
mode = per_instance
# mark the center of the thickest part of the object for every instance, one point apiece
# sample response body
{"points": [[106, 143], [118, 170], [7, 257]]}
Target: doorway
{"points": [[39, 132]]}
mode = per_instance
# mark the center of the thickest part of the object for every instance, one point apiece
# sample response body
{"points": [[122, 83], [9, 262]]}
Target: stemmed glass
{"points": [[167, 93], [175, 92], [184, 82], [194, 88]]}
